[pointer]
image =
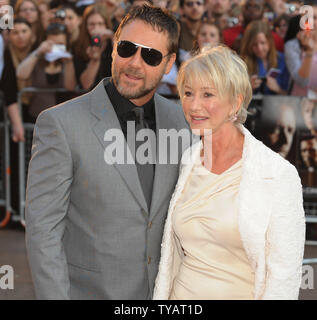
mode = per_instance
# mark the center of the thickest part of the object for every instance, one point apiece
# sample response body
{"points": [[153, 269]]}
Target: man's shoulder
{"points": [[77, 104], [172, 110], [80, 105], [69, 114], [159, 98], [168, 105]]}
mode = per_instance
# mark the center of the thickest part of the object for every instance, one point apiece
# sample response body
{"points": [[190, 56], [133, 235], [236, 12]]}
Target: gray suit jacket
{"points": [[89, 233]]}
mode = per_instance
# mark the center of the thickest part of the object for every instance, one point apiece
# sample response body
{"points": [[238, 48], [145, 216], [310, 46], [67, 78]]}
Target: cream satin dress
{"points": [[205, 221]]}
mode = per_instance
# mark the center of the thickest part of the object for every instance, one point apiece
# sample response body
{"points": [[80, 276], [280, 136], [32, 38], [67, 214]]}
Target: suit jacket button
{"points": [[149, 260], [150, 225]]}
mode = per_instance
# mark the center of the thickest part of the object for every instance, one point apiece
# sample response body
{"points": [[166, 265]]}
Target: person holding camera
{"points": [[49, 66], [251, 10], [92, 56], [69, 15], [266, 66], [19, 46], [301, 55]]}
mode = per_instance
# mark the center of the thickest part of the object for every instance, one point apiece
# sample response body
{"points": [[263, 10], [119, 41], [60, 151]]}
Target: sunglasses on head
{"points": [[150, 56], [190, 4]]}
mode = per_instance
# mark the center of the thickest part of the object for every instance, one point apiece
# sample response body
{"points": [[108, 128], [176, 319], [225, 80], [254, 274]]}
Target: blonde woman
{"points": [[235, 227]]}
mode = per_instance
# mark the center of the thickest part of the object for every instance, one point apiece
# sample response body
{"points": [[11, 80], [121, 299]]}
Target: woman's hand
{"points": [[45, 47], [255, 81], [67, 60], [18, 132], [105, 34], [306, 38], [94, 53], [272, 84]]}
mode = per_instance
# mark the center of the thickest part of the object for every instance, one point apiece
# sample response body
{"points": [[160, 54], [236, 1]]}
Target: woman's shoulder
{"points": [[291, 45], [264, 160]]}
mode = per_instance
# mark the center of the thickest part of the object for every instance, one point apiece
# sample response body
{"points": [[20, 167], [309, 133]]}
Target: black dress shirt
{"points": [[123, 108]]}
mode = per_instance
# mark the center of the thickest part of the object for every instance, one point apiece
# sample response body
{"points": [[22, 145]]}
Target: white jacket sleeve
{"points": [[285, 239]]}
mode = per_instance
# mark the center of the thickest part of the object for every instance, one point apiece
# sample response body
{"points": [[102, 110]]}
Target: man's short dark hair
{"points": [[160, 19]]}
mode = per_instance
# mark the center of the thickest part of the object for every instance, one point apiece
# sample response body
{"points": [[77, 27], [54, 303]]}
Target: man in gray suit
{"points": [[94, 229]]}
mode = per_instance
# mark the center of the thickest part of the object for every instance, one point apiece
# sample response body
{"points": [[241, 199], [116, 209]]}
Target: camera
{"points": [[60, 14], [269, 16], [58, 48], [262, 86], [232, 21], [291, 8], [95, 41]]}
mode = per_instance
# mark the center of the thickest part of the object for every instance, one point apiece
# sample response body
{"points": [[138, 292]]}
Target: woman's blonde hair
{"points": [[225, 70]]}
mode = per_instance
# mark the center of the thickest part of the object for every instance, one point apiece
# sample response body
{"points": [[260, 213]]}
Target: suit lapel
{"points": [[165, 174], [103, 110]]}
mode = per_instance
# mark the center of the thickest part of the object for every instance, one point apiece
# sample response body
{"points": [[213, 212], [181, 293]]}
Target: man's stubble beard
{"points": [[193, 20], [131, 92]]}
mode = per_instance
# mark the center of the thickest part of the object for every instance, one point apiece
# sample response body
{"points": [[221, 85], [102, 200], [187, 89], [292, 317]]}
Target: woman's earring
{"points": [[234, 117]]}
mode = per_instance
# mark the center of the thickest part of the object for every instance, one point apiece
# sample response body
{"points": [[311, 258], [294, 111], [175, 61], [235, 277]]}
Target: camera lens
{"points": [[60, 14], [95, 41]]}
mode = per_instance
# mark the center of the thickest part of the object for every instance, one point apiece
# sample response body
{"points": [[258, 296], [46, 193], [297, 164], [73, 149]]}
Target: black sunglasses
{"points": [[150, 56]]}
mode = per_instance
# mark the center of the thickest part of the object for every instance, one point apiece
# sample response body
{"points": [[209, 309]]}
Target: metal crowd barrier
{"points": [[5, 191]]}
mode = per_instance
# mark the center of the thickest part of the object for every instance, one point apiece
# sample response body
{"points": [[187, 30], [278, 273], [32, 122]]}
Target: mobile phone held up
{"points": [[274, 73], [95, 41]]}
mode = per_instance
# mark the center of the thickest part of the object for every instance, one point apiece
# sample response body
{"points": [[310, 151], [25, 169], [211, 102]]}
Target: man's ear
{"points": [[170, 63]]}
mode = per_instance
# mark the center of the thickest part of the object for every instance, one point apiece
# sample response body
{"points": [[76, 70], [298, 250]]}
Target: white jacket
{"points": [[271, 223]]}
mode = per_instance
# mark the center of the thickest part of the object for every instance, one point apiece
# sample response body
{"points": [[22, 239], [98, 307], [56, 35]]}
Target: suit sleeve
{"points": [[47, 200], [285, 239]]}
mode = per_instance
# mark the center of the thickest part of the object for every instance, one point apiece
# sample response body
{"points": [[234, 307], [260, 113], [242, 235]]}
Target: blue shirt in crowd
{"points": [[283, 77]]}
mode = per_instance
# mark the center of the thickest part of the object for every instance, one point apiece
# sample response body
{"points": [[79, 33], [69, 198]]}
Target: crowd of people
{"points": [[68, 44]]}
